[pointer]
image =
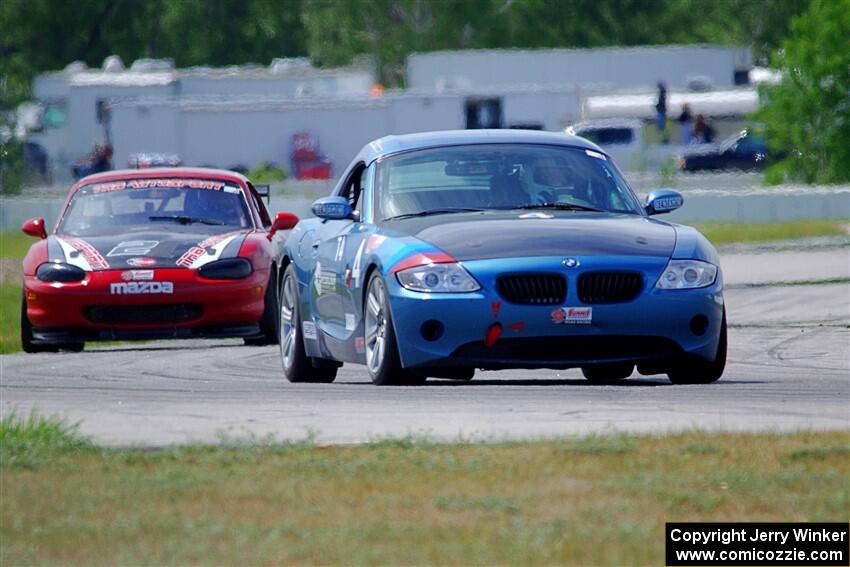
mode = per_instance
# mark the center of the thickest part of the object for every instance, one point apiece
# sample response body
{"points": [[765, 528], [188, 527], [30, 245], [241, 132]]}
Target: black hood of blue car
{"points": [[497, 234]]}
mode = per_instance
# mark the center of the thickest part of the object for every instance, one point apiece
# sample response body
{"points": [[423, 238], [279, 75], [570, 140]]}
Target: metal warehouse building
{"points": [[612, 68], [248, 114]]}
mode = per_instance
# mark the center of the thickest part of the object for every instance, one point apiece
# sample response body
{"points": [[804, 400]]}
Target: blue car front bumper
{"points": [[439, 330]]}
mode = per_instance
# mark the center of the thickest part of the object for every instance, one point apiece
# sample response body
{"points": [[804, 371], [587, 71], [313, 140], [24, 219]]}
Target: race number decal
{"points": [[358, 260], [309, 329], [133, 248], [340, 248]]}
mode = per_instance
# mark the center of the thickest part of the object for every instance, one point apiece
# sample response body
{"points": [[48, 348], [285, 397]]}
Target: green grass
{"points": [[730, 233], [592, 500], [10, 318], [27, 442], [15, 244], [13, 248]]}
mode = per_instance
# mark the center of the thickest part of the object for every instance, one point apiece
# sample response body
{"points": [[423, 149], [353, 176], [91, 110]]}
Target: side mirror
{"points": [[283, 221], [35, 227], [332, 208], [663, 201]]}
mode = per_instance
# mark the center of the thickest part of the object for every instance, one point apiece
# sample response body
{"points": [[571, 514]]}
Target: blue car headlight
{"points": [[687, 274], [449, 277], [59, 272]]}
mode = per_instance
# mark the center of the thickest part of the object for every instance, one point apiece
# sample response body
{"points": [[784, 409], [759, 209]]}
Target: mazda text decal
{"points": [[138, 288]]}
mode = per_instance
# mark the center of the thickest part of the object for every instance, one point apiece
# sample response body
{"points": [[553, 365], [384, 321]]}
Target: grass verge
{"points": [[592, 500], [15, 244], [720, 233], [10, 318], [13, 248]]}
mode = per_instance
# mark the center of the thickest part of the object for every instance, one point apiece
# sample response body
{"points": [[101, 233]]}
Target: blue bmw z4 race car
{"points": [[441, 253]]}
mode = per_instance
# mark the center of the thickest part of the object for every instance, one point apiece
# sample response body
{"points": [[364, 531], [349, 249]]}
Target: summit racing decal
{"points": [[141, 288], [149, 183], [131, 275], [572, 315]]}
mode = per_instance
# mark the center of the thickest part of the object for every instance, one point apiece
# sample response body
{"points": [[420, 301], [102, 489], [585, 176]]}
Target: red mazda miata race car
{"points": [[164, 253]]}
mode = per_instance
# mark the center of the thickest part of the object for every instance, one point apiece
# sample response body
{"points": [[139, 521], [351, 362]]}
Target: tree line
{"points": [[40, 35], [806, 117]]}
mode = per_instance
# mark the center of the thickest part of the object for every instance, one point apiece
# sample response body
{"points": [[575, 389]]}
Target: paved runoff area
{"points": [[788, 369]]}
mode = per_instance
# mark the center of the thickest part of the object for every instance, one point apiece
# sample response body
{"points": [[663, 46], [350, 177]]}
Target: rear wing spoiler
{"points": [[264, 190]]}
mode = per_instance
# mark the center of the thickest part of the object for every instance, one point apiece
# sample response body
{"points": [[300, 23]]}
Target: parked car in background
{"points": [[156, 253], [445, 252], [621, 138], [744, 151]]}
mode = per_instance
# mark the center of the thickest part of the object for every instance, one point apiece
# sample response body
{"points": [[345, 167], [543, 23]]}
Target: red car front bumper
{"points": [[132, 304]]}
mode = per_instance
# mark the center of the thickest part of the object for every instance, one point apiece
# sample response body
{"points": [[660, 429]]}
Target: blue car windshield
{"points": [[173, 204], [500, 176]]}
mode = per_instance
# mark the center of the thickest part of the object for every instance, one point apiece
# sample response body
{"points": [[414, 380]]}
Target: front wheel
{"points": [[297, 366], [269, 324], [695, 370], [30, 347], [382, 357]]}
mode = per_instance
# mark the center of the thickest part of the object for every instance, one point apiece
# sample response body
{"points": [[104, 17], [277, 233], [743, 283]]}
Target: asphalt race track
{"points": [[789, 369]]}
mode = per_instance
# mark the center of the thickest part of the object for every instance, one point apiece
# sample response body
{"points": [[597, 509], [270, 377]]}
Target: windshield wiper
{"points": [[560, 206], [182, 219], [430, 212]]}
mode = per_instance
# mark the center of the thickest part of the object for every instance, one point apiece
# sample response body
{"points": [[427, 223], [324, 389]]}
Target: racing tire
{"points": [[608, 373], [30, 347], [382, 356], [297, 366], [269, 323], [696, 370]]}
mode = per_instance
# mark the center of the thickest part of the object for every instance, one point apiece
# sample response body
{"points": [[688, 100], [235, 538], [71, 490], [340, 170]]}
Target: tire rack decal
{"points": [[197, 255], [157, 182], [92, 257]]}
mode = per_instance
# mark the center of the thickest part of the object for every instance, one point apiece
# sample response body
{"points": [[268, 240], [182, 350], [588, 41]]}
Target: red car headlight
{"points": [[227, 269], [59, 272]]}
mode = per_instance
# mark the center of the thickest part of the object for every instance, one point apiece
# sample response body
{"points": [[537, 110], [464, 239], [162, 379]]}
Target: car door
{"points": [[333, 241], [351, 268]]}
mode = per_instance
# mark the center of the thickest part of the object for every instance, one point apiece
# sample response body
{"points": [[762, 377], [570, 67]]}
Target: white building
{"points": [[610, 68], [244, 131], [246, 115], [76, 113]]}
